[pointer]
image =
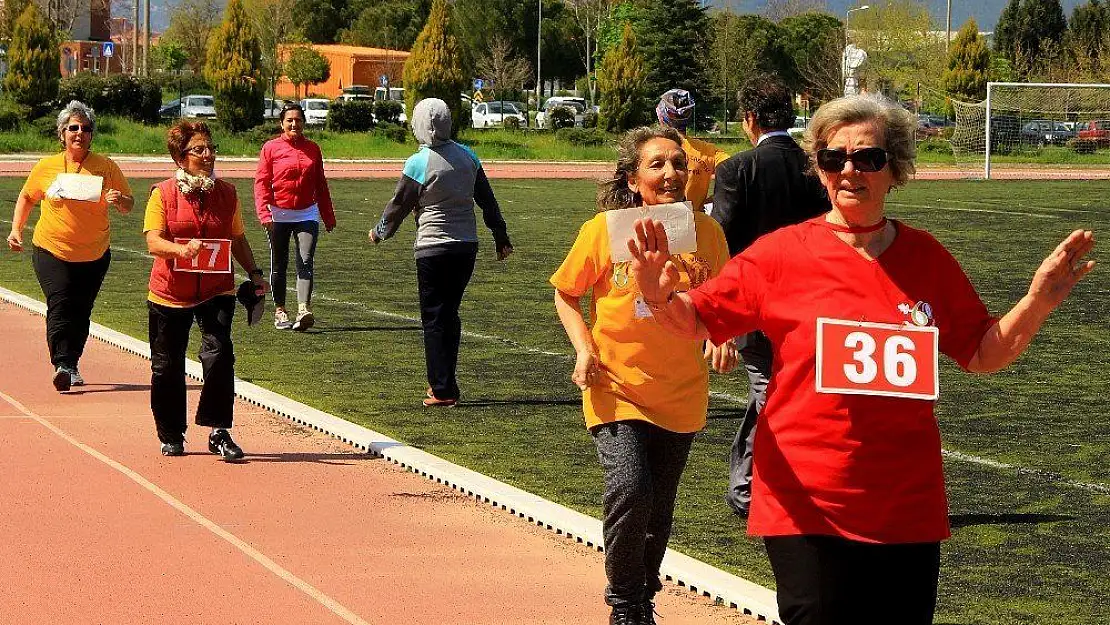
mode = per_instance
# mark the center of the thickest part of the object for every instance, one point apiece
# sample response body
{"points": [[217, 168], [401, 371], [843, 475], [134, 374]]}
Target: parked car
{"points": [[1096, 130], [927, 128], [799, 127], [351, 97], [1046, 132], [315, 111], [490, 114], [576, 105], [190, 106], [271, 108]]}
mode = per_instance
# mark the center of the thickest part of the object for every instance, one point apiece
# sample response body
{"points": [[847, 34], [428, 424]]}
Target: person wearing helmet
{"points": [[676, 110]]}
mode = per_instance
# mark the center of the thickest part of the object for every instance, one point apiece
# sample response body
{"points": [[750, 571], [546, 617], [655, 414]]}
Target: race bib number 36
{"points": [[859, 358], [214, 257]]}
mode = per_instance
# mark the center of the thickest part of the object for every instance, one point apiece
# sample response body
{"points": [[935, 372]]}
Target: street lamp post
{"points": [[539, 47], [844, 55]]}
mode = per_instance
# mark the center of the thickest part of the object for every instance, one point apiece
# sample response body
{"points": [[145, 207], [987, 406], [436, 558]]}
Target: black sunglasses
{"points": [[79, 128], [864, 159]]}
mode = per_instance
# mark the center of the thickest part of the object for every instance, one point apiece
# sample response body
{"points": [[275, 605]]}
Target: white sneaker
{"points": [[305, 319], [281, 319]]}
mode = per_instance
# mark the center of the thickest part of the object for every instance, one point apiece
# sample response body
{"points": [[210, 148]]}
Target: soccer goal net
{"points": [[1058, 129]]}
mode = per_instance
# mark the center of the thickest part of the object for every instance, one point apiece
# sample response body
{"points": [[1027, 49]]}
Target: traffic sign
{"points": [[478, 82], [109, 49], [384, 80]]}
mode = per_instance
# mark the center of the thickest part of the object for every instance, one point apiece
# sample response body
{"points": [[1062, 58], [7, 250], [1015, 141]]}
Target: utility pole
{"points": [[539, 47], [948, 28], [146, 37], [135, 39]]}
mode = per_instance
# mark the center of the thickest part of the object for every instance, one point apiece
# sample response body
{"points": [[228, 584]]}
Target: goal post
{"points": [[1045, 124]]}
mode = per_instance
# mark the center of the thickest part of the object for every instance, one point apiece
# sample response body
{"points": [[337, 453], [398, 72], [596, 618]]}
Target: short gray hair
{"points": [[75, 108], [898, 127], [613, 192]]}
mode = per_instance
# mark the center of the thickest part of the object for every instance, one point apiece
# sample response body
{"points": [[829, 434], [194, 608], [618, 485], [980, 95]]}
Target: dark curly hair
{"points": [[769, 99], [179, 135], [290, 106]]}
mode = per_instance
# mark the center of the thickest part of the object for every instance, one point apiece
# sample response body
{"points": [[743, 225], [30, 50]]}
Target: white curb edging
{"points": [[706, 580]]}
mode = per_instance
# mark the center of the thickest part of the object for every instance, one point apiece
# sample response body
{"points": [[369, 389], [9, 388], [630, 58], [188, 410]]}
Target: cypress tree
{"points": [[33, 67], [674, 32], [622, 83], [968, 64], [233, 70], [435, 67], [1005, 30]]}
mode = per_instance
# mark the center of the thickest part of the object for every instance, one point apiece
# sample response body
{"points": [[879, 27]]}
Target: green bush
{"points": [[84, 87], [46, 127], [560, 117], [260, 134], [1083, 146], [119, 94], [587, 137], [512, 123], [11, 115], [589, 120], [934, 145], [392, 132], [388, 111], [353, 116]]}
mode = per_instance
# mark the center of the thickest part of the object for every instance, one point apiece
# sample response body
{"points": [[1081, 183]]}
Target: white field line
{"points": [[520, 347], [1003, 203], [314, 593], [972, 210]]}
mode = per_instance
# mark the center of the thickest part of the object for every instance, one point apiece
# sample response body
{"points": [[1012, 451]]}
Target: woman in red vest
{"points": [[194, 227]]}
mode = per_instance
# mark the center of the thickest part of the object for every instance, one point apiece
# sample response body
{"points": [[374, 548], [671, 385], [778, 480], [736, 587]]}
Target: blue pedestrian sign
{"points": [[109, 49], [478, 82], [384, 80]]}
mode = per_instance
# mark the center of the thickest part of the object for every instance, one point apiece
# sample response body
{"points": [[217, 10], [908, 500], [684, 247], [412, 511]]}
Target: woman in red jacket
{"points": [[194, 227], [291, 198]]}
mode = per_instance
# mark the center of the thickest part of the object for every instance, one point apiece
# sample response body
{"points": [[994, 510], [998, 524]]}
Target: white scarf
{"points": [[188, 183]]}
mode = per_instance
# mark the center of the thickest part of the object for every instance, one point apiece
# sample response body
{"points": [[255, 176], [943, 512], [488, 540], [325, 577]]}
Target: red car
{"points": [[1097, 130]]}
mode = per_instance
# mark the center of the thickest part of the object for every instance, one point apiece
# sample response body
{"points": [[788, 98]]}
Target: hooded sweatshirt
{"points": [[441, 183]]}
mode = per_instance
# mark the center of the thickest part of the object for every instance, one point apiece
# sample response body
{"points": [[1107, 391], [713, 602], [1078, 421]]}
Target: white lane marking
{"points": [[1001, 203], [1095, 487], [972, 210], [331, 604]]}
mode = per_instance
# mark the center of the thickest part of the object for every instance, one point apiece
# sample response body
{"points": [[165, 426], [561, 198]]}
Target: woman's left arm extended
{"points": [[1051, 285]]}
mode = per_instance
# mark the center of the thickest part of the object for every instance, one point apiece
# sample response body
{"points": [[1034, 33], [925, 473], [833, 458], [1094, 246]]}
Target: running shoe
{"points": [[626, 615], [62, 379], [220, 443], [305, 319], [75, 378], [281, 320], [173, 449], [431, 401]]}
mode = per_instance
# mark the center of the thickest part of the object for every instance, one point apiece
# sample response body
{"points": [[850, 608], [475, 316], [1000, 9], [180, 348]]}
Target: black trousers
{"points": [[443, 279], [169, 338], [827, 580], [70, 290]]}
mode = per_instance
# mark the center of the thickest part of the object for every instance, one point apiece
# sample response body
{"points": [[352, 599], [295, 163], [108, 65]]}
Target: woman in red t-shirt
{"points": [[849, 484]]}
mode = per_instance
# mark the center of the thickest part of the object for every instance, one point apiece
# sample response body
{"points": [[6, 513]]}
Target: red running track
{"points": [[100, 528]]}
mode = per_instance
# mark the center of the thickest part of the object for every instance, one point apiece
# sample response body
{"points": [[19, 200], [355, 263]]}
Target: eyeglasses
{"points": [[864, 159], [202, 150], [79, 128]]}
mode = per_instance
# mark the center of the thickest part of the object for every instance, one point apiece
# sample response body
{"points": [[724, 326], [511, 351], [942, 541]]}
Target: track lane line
{"points": [[314, 593]]}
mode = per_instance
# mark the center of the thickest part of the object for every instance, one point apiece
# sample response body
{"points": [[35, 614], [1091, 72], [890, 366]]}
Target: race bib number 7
{"points": [[887, 360], [214, 257]]}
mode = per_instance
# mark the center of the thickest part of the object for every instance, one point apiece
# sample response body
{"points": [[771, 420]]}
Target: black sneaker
{"points": [[62, 379], [626, 615], [220, 443], [173, 449], [647, 616]]}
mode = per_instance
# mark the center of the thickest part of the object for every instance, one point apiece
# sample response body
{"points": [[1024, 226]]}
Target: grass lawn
{"points": [[1032, 531]]}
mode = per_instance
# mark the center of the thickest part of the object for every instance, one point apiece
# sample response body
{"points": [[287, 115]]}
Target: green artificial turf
{"points": [[1031, 541]]}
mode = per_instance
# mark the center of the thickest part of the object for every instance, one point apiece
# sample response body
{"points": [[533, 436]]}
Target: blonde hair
{"points": [[613, 193], [897, 125]]}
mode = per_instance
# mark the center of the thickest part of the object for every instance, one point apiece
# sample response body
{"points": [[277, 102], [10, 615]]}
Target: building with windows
{"points": [[350, 65]]}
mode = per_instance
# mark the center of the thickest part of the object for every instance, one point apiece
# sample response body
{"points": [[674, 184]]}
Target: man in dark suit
{"points": [[756, 192]]}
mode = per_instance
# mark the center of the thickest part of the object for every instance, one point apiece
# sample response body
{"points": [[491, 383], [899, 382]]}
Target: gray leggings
{"points": [[643, 465], [305, 234]]}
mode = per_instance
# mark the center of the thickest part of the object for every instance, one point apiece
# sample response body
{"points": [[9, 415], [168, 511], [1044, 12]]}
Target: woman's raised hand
{"points": [[651, 267], [1063, 269]]}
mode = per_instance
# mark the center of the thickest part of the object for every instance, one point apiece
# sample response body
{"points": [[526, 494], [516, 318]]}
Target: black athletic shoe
{"points": [[647, 616], [626, 615], [220, 443], [62, 379], [173, 449]]}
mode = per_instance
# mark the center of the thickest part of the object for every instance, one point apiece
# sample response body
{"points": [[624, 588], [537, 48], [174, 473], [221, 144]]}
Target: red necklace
{"points": [[855, 229]]}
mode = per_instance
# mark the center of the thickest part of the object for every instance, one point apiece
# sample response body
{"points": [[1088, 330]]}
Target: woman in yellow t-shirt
{"points": [[645, 392], [71, 238]]}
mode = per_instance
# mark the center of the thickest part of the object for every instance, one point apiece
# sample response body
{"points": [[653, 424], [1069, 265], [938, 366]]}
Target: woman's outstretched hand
{"points": [[651, 266], [1063, 269]]}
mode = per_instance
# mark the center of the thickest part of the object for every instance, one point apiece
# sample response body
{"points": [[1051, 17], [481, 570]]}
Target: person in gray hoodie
{"points": [[441, 183]]}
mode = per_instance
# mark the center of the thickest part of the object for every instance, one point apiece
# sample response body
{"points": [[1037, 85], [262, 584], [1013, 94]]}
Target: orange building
{"points": [[350, 65]]}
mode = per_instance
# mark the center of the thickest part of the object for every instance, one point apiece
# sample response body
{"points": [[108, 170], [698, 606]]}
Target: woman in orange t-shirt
{"points": [[645, 391], [71, 239]]}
